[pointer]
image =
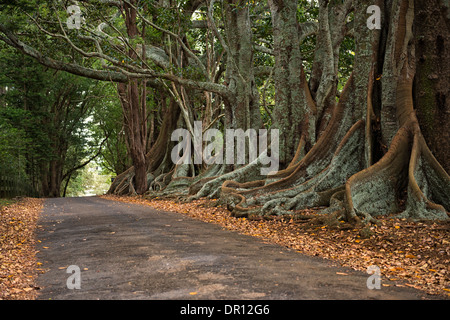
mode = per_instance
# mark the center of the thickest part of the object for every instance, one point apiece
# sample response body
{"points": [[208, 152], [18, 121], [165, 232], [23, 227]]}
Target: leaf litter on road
{"points": [[18, 265], [408, 253]]}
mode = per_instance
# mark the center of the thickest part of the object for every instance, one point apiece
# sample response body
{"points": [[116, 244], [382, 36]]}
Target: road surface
{"points": [[130, 251]]}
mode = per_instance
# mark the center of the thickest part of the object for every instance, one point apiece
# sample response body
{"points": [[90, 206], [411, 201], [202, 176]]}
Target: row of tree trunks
{"points": [[372, 189], [366, 154]]}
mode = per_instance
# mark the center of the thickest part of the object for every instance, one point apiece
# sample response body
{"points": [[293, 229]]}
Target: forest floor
{"points": [[409, 253], [414, 254], [18, 264]]}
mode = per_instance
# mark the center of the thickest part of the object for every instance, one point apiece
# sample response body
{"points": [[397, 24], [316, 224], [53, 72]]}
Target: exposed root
{"points": [[350, 192], [312, 180], [427, 182], [175, 182], [375, 191], [123, 183], [161, 181], [248, 173], [211, 173], [314, 192]]}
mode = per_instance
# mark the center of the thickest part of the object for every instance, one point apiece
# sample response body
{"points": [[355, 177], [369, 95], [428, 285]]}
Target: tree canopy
{"points": [[357, 89], [46, 121]]}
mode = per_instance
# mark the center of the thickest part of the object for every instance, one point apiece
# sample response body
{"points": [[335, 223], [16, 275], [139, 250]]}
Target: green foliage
{"points": [[12, 146], [346, 58], [43, 117], [30, 114], [6, 202], [107, 120], [88, 181], [307, 11]]}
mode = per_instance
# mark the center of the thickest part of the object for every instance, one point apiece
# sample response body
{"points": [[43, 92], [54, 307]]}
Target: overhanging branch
{"points": [[116, 74], [104, 75]]}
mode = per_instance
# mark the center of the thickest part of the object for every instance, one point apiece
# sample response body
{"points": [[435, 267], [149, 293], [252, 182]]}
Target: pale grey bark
{"points": [[294, 109]]}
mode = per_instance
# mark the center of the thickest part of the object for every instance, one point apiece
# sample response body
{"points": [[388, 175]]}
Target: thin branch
{"points": [[214, 121], [213, 26], [76, 48], [104, 75], [263, 49], [307, 29], [177, 37], [87, 161]]}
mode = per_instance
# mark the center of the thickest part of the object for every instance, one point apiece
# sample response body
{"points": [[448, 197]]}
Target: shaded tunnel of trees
{"points": [[358, 89]]}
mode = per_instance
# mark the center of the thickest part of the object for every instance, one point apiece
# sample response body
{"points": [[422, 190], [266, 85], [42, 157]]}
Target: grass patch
{"points": [[6, 202]]}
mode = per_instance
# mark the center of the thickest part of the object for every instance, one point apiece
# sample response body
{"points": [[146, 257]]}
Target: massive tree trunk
{"points": [[432, 89], [133, 100], [157, 158], [242, 105], [135, 124], [338, 170], [294, 112], [408, 164]]}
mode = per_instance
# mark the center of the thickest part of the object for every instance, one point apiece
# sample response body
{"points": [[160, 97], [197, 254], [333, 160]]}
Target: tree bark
{"points": [[378, 189], [135, 128], [133, 100], [243, 102], [369, 190], [157, 157], [432, 89], [323, 81], [294, 112]]}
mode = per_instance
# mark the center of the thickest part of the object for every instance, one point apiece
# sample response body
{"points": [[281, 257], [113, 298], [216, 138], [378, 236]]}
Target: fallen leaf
{"points": [[17, 252], [404, 250]]}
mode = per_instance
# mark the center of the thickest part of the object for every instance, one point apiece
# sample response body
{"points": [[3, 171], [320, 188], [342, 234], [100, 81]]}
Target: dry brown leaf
{"points": [[415, 252], [18, 254]]}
